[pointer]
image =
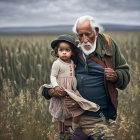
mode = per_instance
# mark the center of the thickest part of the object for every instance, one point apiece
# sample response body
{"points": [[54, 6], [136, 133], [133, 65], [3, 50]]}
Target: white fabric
{"points": [[84, 104]]}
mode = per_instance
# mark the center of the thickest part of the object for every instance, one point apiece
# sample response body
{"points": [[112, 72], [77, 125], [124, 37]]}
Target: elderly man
{"points": [[100, 69]]}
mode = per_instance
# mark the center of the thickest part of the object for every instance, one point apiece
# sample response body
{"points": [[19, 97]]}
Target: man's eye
{"points": [[87, 34], [80, 35]]}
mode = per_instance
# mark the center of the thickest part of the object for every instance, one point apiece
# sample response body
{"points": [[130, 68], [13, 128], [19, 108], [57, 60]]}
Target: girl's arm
{"points": [[54, 74], [47, 92], [53, 81], [53, 78]]}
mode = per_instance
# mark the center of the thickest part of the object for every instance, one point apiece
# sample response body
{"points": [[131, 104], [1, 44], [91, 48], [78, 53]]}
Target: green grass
{"points": [[25, 64]]}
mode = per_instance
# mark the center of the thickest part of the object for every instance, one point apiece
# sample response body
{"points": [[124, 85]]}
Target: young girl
{"points": [[63, 76]]}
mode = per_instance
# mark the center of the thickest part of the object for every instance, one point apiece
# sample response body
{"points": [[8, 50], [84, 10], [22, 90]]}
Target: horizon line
{"points": [[36, 26]]}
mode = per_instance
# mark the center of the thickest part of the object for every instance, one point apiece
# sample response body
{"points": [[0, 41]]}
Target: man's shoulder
{"points": [[106, 43], [108, 39]]}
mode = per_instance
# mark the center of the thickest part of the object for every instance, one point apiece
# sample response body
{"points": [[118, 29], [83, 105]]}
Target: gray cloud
{"points": [[46, 12]]}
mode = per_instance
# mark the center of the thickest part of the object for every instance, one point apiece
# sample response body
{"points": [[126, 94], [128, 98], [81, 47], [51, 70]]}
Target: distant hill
{"points": [[114, 27], [63, 29]]}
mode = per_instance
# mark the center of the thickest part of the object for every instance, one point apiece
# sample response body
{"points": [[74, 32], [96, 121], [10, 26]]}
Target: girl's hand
{"points": [[71, 104]]}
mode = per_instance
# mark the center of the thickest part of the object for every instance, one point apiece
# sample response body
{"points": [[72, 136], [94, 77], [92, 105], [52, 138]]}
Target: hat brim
{"points": [[55, 42]]}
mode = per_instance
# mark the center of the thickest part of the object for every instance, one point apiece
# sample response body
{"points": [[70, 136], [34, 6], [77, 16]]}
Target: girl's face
{"points": [[64, 51]]}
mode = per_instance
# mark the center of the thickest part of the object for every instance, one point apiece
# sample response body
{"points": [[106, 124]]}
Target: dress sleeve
{"points": [[54, 74]]}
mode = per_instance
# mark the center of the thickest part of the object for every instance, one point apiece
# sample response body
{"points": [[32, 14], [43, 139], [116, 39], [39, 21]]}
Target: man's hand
{"points": [[110, 75], [71, 104], [57, 92]]}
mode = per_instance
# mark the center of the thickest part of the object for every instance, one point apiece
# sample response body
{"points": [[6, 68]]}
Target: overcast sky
{"points": [[58, 12]]}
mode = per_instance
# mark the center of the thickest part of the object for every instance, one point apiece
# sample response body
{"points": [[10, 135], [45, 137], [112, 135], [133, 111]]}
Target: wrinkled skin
{"points": [[110, 75], [57, 92]]}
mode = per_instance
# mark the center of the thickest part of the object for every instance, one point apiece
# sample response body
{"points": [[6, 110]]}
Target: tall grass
{"points": [[25, 64], [128, 122]]}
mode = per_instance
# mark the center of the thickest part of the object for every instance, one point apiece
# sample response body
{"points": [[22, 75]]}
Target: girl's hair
{"points": [[75, 50]]}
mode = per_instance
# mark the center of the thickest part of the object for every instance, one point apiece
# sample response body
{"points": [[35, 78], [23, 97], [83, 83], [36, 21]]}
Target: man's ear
{"points": [[97, 30]]}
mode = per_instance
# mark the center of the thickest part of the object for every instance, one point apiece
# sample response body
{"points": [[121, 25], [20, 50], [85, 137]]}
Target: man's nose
{"points": [[85, 38]]}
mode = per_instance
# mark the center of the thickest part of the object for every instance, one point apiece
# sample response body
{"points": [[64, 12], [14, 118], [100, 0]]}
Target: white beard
{"points": [[93, 47]]}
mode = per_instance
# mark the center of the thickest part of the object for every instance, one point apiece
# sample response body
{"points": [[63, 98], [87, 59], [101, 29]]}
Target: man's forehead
{"points": [[85, 22], [84, 26]]}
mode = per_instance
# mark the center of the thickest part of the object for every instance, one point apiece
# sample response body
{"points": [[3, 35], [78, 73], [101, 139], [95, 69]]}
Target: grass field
{"points": [[25, 64]]}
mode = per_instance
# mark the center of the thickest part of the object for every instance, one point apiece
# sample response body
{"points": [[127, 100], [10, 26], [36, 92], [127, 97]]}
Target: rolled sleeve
{"points": [[45, 93]]}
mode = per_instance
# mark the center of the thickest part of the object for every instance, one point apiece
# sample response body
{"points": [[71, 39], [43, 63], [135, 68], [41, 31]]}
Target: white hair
{"points": [[93, 24]]}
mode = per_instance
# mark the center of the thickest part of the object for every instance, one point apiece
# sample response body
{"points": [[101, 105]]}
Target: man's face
{"points": [[86, 33]]}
